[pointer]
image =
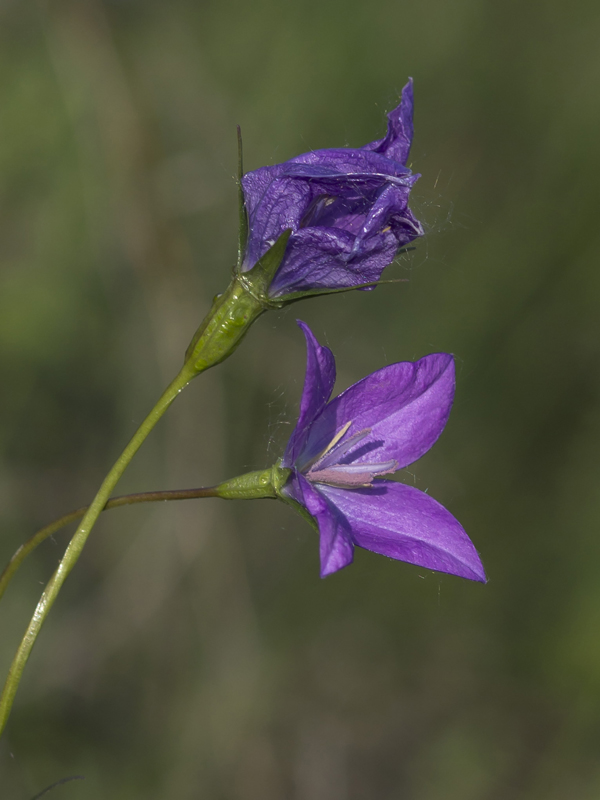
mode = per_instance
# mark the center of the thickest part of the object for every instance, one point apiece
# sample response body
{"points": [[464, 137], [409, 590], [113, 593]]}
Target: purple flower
{"points": [[339, 449], [347, 210]]}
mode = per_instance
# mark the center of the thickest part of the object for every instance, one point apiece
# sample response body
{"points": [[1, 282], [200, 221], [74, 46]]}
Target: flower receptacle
{"points": [[229, 319], [265, 483], [233, 312]]}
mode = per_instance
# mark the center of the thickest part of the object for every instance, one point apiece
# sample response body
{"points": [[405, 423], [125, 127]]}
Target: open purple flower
{"points": [[347, 210], [339, 450]]}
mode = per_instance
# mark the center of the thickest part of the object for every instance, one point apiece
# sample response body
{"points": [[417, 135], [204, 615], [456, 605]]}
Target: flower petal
{"points": [[406, 227], [325, 258], [398, 139], [349, 164], [274, 204], [318, 385], [405, 405], [335, 543], [391, 205], [278, 197], [362, 191], [401, 522]]}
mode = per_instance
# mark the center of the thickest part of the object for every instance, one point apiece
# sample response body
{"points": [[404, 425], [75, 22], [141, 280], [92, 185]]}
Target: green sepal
{"points": [[242, 210], [259, 278], [293, 297], [233, 312], [263, 483]]}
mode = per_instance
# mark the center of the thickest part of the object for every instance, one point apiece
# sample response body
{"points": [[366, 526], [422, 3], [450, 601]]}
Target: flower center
{"points": [[326, 467]]}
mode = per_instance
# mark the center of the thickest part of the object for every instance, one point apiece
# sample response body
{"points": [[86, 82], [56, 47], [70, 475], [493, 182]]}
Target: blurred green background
{"points": [[194, 652]]}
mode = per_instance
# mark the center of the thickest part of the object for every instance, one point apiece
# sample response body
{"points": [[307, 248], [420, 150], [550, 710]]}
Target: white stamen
{"points": [[352, 476], [331, 444], [341, 448], [336, 439], [379, 468]]}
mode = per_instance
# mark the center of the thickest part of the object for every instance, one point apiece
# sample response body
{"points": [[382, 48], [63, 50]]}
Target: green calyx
{"points": [[266, 483], [259, 278], [233, 312], [229, 319]]}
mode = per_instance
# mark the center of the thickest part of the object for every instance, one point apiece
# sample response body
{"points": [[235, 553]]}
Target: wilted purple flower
{"points": [[347, 210], [377, 426]]}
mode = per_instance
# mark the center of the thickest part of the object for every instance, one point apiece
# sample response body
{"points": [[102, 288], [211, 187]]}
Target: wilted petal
{"points": [[342, 213], [403, 523], [324, 258], [399, 136], [318, 385], [274, 204], [405, 405], [406, 227], [390, 204], [278, 197], [320, 196], [348, 164]]}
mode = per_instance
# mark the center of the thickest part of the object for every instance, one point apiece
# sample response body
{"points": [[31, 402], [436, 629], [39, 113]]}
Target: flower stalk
{"points": [[78, 541], [324, 222], [115, 502], [226, 324], [252, 486], [260, 484]]}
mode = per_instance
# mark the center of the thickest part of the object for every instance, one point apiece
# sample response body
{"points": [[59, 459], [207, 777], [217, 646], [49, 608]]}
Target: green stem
{"points": [[226, 324], [115, 502], [79, 539], [253, 485]]}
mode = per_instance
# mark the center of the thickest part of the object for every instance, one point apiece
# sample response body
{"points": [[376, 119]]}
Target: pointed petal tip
{"points": [[307, 331], [446, 360], [469, 567], [471, 572], [311, 339], [445, 363], [334, 564], [318, 385], [336, 550], [326, 571], [481, 576]]}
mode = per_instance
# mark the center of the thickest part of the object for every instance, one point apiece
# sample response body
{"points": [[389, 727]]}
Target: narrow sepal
{"points": [[243, 212], [261, 275]]}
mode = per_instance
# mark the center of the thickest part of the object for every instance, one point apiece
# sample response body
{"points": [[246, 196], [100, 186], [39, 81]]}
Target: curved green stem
{"points": [[226, 324], [115, 502], [79, 539], [253, 485]]}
